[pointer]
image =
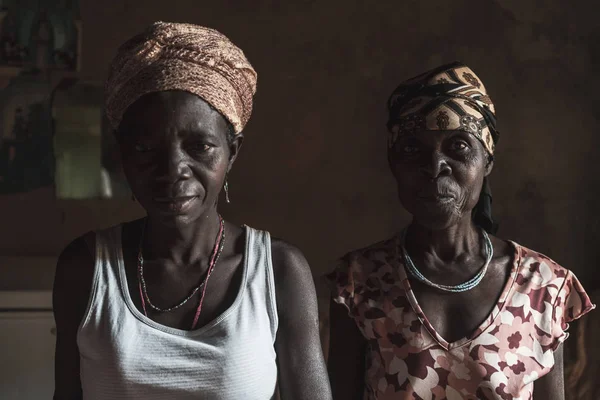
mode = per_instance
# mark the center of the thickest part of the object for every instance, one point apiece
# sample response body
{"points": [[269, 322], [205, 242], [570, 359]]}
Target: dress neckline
{"points": [[487, 322]]}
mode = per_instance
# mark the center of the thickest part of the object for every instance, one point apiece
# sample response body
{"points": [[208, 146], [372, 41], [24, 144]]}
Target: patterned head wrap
{"points": [[450, 97], [174, 56]]}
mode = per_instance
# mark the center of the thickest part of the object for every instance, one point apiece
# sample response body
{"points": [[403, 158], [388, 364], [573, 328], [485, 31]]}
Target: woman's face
{"points": [[175, 154], [439, 175]]}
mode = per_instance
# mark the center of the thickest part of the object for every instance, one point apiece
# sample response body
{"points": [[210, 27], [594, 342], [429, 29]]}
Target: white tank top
{"points": [[125, 355]]}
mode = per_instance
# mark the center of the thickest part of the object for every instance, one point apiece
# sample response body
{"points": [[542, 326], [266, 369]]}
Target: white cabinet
{"points": [[27, 346]]}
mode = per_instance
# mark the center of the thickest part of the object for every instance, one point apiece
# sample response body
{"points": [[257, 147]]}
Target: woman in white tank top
{"points": [[181, 304]]}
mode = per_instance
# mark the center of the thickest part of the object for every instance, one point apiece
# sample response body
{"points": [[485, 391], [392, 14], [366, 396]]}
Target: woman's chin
{"points": [[437, 218], [177, 217]]}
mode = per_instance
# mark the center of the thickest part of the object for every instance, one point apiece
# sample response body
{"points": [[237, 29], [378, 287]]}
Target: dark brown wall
{"points": [[313, 167]]}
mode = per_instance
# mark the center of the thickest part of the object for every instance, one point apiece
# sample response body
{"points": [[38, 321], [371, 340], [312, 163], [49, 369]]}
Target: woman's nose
{"points": [[172, 165], [435, 165]]}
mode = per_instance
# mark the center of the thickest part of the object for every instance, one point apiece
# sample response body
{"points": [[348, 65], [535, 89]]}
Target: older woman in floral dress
{"points": [[444, 309]]}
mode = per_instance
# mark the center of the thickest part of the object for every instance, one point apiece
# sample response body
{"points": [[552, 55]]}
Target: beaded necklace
{"points": [[218, 248], [462, 287]]}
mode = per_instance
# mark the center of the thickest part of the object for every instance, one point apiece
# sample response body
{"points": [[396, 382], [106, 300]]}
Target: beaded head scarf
{"points": [[176, 56], [450, 97]]}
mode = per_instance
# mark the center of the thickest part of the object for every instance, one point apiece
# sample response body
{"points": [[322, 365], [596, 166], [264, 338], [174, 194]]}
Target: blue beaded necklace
{"points": [[462, 287]]}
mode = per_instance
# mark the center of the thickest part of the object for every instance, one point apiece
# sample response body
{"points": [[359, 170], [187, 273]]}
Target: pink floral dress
{"points": [[408, 359]]}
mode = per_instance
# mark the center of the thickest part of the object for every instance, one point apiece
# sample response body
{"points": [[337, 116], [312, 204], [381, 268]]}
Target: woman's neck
{"points": [[181, 242], [447, 245]]}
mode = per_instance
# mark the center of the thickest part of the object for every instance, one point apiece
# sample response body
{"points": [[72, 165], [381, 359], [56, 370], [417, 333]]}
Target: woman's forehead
{"points": [[168, 102], [433, 136], [174, 110]]}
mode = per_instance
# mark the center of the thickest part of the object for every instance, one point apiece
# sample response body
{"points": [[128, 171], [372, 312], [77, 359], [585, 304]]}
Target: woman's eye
{"points": [[200, 147], [459, 145], [408, 149], [141, 148]]}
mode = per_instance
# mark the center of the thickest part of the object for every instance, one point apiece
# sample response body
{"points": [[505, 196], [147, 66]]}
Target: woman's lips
{"points": [[436, 198], [176, 205]]}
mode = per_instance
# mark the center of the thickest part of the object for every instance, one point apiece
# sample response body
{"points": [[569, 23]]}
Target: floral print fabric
{"points": [[407, 359]]}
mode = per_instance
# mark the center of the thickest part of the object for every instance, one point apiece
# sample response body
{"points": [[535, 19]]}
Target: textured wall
{"points": [[313, 167]]}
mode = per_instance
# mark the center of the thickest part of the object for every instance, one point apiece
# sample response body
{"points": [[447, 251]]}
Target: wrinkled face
{"points": [[439, 175], [175, 154]]}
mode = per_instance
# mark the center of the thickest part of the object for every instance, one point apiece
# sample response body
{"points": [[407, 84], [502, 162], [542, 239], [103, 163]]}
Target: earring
{"points": [[133, 197], [226, 187]]}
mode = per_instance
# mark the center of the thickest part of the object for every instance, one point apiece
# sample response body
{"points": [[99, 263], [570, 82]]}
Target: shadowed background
{"points": [[313, 167]]}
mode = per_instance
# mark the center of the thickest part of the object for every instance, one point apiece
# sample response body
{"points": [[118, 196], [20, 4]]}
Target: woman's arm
{"points": [[552, 385], [302, 370], [72, 285], [346, 361]]}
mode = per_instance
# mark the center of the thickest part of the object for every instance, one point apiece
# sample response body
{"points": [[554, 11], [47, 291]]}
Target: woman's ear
{"points": [[234, 149], [489, 166]]}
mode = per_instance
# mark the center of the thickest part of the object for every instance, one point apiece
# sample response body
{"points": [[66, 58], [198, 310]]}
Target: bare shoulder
{"points": [[77, 257], [295, 291], [74, 275], [294, 284], [289, 263], [286, 252]]}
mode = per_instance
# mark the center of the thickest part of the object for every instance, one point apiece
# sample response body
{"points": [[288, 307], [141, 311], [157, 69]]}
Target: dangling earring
{"points": [[133, 197], [226, 187]]}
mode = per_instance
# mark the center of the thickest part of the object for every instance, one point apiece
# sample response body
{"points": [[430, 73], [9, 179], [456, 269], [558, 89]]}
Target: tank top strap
{"points": [[109, 254], [108, 257], [261, 280]]}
